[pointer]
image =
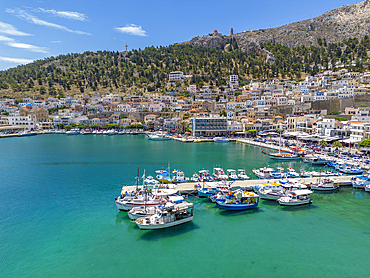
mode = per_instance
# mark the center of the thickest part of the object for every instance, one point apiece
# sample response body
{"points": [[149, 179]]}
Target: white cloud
{"points": [[11, 30], [56, 41], [27, 46], [16, 60], [35, 20], [66, 14], [5, 39], [132, 29]]}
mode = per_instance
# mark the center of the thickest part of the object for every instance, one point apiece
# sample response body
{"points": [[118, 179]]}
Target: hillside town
{"points": [[232, 110]]}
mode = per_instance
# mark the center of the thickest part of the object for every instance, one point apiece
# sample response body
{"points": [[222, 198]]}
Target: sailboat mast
{"points": [[137, 179], [280, 140]]}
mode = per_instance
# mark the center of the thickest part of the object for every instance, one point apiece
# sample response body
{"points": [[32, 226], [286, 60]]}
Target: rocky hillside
{"points": [[342, 23]]}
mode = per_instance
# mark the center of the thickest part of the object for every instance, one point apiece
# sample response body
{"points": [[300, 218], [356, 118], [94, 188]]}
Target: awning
{"points": [[350, 141]]}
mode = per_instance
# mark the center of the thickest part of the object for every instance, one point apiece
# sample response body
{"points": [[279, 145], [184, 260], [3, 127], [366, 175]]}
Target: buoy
{"points": [[55, 194]]}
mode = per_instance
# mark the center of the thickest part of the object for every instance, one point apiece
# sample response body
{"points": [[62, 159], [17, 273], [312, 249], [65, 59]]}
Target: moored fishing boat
{"points": [[158, 136], [145, 211], [241, 200], [283, 155], [232, 174], [263, 173], [219, 174], [205, 176], [221, 140], [73, 132], [326, 184], [179, 176], [315, 160], [163, 176], [360, 182], [166, 217], [296, 198], [242, 175]]}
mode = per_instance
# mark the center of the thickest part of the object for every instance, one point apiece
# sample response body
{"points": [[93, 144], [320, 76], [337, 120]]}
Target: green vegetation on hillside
{"points": [[147, 70]]}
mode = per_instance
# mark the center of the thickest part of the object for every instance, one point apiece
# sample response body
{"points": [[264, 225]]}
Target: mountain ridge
{"points": [[350, 21]]}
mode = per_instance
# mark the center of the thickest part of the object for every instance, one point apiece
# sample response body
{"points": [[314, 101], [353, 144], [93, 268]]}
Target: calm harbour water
{"points": [[58, 218]]}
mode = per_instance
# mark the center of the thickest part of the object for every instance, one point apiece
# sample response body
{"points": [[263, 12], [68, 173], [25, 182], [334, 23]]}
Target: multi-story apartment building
{"points": [[209, 126]]}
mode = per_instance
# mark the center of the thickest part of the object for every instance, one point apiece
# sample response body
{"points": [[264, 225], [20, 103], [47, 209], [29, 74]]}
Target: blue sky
{"points": [[32, 30]]}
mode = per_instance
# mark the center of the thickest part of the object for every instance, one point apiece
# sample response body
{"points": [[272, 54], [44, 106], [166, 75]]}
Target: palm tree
{"points": [[336, 145], [323, 143]]}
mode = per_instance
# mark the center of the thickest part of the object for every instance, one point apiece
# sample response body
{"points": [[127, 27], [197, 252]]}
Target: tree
{"points": [[253, 132], [323, 143], [364, 143], [336, 145], [223, 113], [334, 112], [6, 114], [362, 105]]}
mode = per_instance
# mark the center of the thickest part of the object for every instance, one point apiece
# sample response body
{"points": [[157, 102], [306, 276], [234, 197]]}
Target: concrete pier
{"points": [[189, 188]]}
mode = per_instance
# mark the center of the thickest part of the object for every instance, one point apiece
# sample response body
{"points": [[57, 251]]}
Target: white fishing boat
{"points": [[326, 184], [221, 140], [263, 173], [73, 132], [195, 178], [167, 216], [145, 211], [296, 198], [205, 176], [150, 181], [111, 132], [242, 175], [232, 174], [219, 173], [86, 132], [158, 136], [360, 182], [315, 160], [179, 176], [271, 193]]}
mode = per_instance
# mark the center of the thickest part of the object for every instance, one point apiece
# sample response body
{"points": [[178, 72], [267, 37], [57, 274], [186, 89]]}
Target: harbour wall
{"points": [[338, 104]]}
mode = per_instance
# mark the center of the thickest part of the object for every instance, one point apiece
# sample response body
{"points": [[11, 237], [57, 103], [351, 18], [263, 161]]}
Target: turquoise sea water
{"points": [[58, 218]]}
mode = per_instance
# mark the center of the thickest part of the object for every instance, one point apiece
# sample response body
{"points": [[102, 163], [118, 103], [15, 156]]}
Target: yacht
{"points": [[167, 216]]}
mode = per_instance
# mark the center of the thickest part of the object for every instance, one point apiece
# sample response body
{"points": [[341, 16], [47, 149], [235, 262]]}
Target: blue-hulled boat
{"points": [[206, 192], [241, 200], [352, 171]]}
